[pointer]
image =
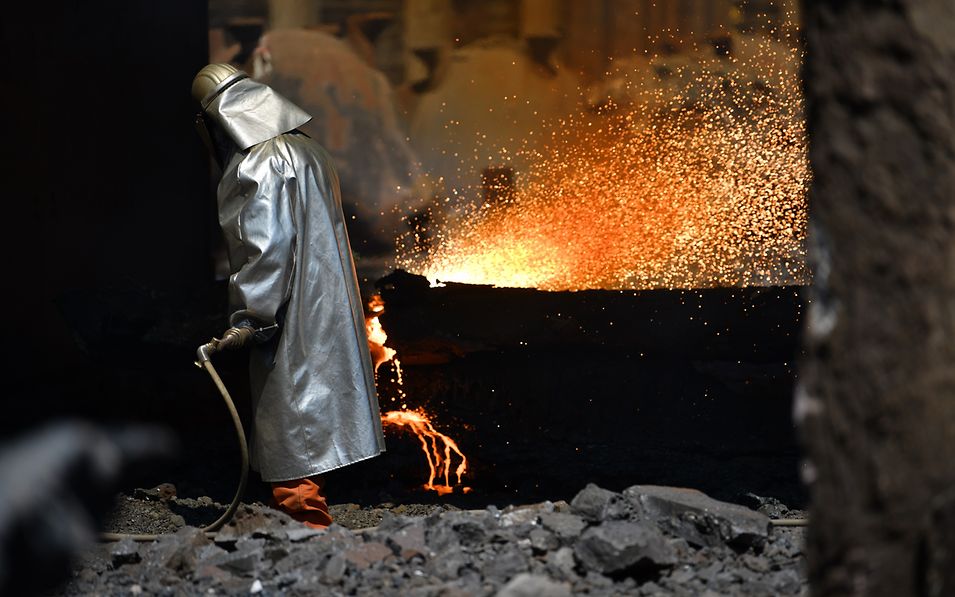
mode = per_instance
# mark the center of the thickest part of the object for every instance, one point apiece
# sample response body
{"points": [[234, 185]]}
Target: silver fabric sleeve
{"points": [[267, 237]]}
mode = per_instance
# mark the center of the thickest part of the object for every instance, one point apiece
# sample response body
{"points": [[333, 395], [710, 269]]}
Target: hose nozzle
{"points": [[204, 352]]}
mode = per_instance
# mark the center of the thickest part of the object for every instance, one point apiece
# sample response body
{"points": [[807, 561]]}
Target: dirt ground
{"points": [[146, 512]]}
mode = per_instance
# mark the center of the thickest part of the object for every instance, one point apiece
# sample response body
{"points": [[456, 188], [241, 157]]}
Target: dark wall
{"points": [[878, 402], [106, 187]]}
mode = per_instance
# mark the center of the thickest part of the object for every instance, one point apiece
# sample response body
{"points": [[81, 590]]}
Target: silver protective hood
{"points": [[250, 113]]}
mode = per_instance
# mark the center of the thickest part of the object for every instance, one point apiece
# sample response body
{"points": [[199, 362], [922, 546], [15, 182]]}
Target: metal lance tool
{"points": [[204, 361]]}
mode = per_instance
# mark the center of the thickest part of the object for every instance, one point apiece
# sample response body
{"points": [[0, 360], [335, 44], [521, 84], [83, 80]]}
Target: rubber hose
{"points": [[790, 522], [243, 478]]}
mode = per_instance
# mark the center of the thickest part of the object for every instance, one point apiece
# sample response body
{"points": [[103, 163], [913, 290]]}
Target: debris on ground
{"points": [[646, 540], [147, 512]]}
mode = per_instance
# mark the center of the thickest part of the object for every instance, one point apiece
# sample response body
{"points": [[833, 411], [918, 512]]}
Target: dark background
{"points": [[106, 190]]}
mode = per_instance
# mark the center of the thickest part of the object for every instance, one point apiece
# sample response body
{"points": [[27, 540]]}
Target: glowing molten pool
{"points": [[439, 449], [699, 184]]}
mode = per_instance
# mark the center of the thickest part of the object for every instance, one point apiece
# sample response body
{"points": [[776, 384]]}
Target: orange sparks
{"points": [[698, 181], [437, 447]]}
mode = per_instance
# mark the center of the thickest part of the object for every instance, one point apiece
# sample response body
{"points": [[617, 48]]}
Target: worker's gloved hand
{"points": [[235, 337]]}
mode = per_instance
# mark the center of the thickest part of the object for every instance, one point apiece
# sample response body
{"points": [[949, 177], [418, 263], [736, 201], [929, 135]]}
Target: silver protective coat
{"points": [[313, 384]]}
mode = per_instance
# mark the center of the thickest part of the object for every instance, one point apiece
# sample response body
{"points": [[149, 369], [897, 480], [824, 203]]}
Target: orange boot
{"points": [[302, 499]]}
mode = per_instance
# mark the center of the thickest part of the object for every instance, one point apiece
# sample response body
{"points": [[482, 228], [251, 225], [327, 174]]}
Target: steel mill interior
{"points": [[479, 297]]}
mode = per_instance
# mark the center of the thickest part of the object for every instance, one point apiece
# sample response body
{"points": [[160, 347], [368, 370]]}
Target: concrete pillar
{"points": [[663, 19], [720, 11], [877, 402], [427, 24], [628, 22], [671, 17], [706, 18], [427, 40], [586, 38], [540, 18], [693, 19], [655, 23], [294, 14]]}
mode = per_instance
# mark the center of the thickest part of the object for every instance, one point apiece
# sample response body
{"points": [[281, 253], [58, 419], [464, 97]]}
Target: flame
{"points": [[437, 446], [439, 458], [376, 334], [700, 185]]}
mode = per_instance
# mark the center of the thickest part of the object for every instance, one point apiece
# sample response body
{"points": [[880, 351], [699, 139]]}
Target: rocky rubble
{"points": [[643, 541]]}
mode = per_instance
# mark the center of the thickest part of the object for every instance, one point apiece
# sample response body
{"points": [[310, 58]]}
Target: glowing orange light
{"points": [[699, 182], [437, 446], [376, 334]]}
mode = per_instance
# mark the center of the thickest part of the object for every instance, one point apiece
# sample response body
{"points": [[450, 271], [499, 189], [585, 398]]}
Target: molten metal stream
{"points": [[439, 458], [437, 446]]}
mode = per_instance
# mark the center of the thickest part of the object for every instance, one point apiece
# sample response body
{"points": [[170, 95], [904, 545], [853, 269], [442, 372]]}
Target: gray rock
{"points": [[125, 551], [614, 551], [698, 518], [448, 589], [618, 547], [275, 554], [302, 533], [213, 573], [755, 563], [301, 558], [787, 582], [769, 506], [532, 585], [409, 542], [456, 528], [598, 580], [683, 574], [561, 563], [521, 515], [470, 532], [307, 584], [335, 540], [367, 554], [242, 563], [334, 570], [786, 547], [249, 543], [727, 577], [543, 541], [710, 572], [596, 504], [257, 521], [566, 526], [505, 564], [176, 552], [448, 564]]}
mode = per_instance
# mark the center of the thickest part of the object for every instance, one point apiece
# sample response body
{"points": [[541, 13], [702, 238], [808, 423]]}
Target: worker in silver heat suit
{"points": [[293, 292]]}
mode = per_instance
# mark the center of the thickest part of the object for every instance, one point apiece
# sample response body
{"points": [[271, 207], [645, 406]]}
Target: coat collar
{"points": [[251, 112]]}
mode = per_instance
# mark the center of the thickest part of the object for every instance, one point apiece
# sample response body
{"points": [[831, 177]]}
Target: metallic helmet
{"points": [[212, 80]]}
